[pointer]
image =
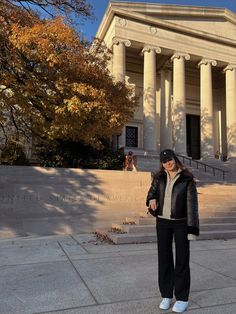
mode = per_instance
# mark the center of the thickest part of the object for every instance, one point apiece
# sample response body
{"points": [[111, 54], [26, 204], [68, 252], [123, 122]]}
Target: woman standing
{"points": [[172, 198]]}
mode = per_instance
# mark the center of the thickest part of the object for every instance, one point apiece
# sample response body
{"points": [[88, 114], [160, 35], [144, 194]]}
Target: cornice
{"points": [[114, 10], [174, 10], [106, 21]]}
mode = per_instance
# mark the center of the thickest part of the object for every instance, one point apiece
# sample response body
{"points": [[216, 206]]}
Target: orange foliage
{"points": [[54, 86]]}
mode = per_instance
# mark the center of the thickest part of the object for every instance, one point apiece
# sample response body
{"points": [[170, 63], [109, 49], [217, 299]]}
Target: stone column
{"points": [[118, 71], [230, 83], [207, 114], [149, 98], [165, 111], [119, 45], [179, 103]]}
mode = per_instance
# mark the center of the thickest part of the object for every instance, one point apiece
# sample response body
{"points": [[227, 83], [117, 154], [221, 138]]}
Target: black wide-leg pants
{"points": [[173, 277]]}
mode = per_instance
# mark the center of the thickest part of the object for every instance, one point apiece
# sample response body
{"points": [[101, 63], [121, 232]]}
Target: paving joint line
{"points": [[202, 250], [212, 306], [212, 289], [78, 273], [35, 263], [194, 302], [132, 300], [215, 271], [112, 255], [99, 304], [76, 241]]}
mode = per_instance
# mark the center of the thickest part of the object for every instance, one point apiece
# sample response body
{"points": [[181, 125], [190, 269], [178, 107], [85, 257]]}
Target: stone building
{"points": [[181, 61]]}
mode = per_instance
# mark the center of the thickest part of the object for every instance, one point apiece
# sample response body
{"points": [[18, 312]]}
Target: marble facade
{"points": [[181, 61]]}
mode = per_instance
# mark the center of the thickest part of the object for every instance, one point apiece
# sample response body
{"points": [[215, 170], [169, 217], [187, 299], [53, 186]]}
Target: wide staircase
{"points": [[217, 207], [210, 169]]}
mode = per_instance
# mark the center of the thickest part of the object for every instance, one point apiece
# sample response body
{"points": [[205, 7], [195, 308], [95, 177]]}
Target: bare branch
{"points": [[18, 129], [4, 132], [77, 7]]}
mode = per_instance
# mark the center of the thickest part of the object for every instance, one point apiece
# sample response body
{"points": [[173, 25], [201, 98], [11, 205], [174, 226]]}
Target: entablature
{"points": [[142, 34]]}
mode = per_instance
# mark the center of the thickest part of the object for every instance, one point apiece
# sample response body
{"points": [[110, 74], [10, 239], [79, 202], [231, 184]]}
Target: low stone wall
{"points": [[40, 201]]}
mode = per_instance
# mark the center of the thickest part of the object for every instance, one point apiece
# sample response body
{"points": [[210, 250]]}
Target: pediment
{"points": [[215, 22]]}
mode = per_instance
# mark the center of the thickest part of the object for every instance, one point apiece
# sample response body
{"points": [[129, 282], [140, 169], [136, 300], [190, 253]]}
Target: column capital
{"points": [[230, 67], [149, 49], [206, 61], [178, 55], [118, 40]]}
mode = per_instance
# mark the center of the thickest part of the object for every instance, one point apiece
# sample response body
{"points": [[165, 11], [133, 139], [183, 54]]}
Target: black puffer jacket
{"points": [[184, 200]]}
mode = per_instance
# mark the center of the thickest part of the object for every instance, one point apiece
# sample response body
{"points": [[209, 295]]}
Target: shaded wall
{"points": [[38, 201]]}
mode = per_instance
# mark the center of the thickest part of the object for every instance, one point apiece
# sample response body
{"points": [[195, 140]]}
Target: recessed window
{"points": [[131, 136]]}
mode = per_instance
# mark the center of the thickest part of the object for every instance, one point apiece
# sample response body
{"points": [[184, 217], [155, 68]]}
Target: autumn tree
{"points": [[53, 85]]}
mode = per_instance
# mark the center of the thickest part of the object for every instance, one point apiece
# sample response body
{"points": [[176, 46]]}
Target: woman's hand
{"points": [[153, 204], [152, 209]]}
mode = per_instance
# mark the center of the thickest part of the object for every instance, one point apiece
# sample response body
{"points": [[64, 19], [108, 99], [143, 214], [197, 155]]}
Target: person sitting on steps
{"points": [[130, 163]]}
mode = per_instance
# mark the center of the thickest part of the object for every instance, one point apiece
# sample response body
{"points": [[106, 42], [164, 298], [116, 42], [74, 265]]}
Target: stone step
{"points": [[211, 199], [224, 207], [136, 229], [209, 235], [216, 220], [203, 220], [218, 226], [217, 208], [209, 214], [126, 238], [216, 192], [151, 163], [203, 214], [216, 213], [206, 218], [208, 199], [140, 220], [225, 199]]}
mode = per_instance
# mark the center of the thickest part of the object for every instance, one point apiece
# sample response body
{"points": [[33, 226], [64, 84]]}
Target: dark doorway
{"points": [[193, 136], [131, 136]]}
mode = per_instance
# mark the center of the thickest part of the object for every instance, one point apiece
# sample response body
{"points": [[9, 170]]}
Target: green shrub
{"points": [[107, 160], [74, 154], [13, 154]]}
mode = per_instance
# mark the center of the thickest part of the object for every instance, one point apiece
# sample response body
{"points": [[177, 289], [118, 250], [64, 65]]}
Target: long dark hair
{"points": [[179, 165]]}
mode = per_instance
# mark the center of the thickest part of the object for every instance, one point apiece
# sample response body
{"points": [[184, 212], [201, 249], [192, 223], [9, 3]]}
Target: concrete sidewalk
{"points": [[80, 275]]}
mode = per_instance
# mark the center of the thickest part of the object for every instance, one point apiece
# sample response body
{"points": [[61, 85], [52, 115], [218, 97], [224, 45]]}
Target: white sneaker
{"points": [[180, 306], [165, 304]]}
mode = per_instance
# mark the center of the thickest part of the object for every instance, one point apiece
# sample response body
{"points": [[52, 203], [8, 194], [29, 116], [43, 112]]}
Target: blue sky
{"points": [[89, 27]]}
